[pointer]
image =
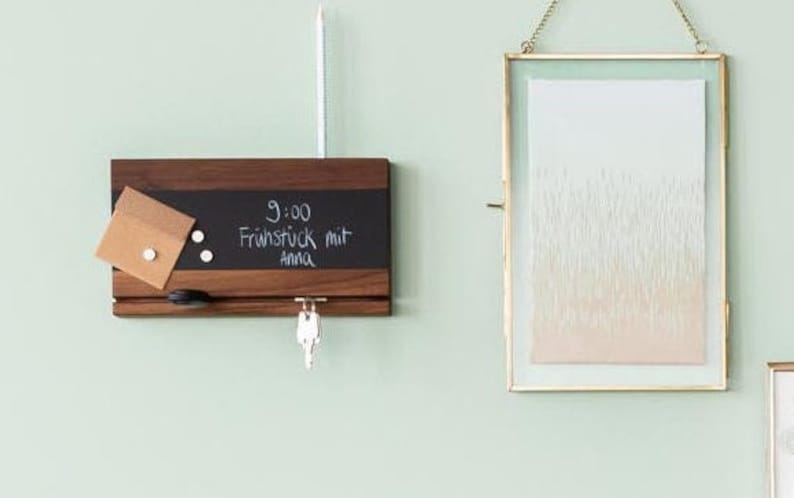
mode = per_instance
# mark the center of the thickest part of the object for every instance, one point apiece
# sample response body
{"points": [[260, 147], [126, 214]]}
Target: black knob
{"points": [[189, 297]]}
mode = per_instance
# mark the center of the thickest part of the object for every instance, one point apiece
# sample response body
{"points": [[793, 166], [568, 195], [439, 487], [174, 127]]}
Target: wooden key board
{"points": [[275, 229]]}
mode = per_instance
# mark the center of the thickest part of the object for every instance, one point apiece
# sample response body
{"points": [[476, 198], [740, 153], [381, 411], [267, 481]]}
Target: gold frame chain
{"points": [[528, 46]]}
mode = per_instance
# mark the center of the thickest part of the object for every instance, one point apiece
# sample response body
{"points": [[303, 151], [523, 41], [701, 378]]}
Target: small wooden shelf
{"points": [[351, 193]]}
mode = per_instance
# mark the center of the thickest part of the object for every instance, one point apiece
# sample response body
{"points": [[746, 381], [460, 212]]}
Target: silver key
{"points": [[308, 334]]}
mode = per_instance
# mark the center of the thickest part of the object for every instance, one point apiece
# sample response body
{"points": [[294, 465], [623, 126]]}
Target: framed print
{"points": [[615, 271], [781, 430]]}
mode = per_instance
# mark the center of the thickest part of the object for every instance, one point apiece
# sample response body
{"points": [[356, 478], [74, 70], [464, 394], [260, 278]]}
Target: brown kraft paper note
{"points": [[140, 223]]}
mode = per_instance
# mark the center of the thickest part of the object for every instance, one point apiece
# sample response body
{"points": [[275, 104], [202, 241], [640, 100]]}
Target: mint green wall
{"points": [[408, 406]]}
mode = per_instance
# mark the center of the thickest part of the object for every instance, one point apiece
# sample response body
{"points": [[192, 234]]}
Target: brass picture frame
{"points": [[716, 379], [776, 432]]}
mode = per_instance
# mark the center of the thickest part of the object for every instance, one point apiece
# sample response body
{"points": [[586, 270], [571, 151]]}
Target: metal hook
{"points": [[312, 301]]}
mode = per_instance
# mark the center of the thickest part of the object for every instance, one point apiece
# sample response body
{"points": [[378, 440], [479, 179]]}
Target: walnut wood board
{"points": [[278, 229], [251, 307]]}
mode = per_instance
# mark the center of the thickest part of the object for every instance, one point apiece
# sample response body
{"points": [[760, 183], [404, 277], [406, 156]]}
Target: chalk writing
{"points": [[295, 212], [262, 237], [337, 237], [301, 258], [286, 229]]}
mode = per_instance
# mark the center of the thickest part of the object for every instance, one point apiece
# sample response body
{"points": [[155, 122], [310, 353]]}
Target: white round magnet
{"points": [[149, 254], [206, 255]]}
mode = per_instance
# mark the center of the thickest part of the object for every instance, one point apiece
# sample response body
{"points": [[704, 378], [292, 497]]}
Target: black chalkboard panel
{"points": [[248, 230]]}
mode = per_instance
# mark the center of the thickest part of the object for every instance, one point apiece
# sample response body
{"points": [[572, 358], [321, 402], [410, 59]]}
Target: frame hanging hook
{"points": [[528, 46]]}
